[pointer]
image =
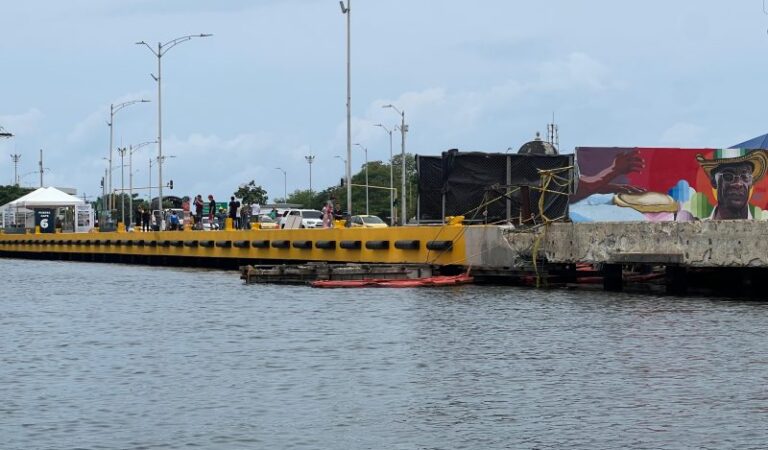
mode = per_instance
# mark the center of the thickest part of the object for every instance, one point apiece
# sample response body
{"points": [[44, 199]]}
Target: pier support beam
{"points": [[676, 280], [612, 280]]}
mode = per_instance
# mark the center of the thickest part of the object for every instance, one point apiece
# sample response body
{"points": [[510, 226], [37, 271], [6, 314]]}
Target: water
{"points": [[121, 357]]}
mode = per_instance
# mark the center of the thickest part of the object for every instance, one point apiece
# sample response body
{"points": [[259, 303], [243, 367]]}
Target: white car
{"points": [[306, 218], [207, 225]]}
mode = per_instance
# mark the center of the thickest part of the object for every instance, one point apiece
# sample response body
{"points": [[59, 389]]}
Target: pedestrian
{"points": [[211, 209], [234, 207], [328, 213], [198, 212], [245, 216], [145, 215], [221, 218], [174, 221]]}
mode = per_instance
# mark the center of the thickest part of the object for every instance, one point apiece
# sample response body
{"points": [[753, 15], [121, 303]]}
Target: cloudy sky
{"points": [[269, 87]]}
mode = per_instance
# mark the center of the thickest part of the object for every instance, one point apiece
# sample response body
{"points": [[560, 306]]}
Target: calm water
{"points": [[120, 357]]}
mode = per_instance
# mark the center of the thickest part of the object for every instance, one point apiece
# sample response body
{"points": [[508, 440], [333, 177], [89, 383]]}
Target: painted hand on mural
{"points": [[602, 182]]}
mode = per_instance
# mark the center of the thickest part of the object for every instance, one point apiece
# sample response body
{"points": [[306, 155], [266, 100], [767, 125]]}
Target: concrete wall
{"points": [[695, 244]]}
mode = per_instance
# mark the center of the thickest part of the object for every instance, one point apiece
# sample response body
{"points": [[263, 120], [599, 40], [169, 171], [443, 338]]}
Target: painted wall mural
{"points": [[664, 184]]}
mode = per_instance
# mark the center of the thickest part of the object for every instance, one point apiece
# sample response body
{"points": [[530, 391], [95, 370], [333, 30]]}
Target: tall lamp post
{"points": [[366, 176], [162, 49], [113, 109], [122, 151], [346, 11], [403, 130], [131, 150], [285, 184], [310, 159], [391, 177]]}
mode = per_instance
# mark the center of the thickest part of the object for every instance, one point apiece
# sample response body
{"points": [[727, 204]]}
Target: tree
{"points": [[11, 193], [251, 193], [310, 200]]}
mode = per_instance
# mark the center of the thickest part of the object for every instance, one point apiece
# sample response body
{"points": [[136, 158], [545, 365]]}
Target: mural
{"points": [[665, 184]]}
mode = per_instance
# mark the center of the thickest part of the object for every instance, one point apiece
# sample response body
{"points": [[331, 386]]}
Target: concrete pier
{"points": [[727, 255]]}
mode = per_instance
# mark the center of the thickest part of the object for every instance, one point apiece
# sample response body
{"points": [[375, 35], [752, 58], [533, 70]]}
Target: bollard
{"points": [[37, 229], [120, 227], [229, 224]]}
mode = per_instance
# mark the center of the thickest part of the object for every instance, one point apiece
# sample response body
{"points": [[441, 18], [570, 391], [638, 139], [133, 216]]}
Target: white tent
{"points": [[45, 197], [20, 210]]}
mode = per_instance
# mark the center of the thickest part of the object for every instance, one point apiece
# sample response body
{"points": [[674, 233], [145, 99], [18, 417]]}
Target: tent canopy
{"points": [[755, 142], [46, 197]]}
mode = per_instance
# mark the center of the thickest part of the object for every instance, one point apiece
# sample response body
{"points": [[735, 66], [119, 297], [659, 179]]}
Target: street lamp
{"points": [[310, 159], [113, 109], [285, 184], [366, 176], [122, 151], [162, 49], [403, 130], [131, 150], [346, 11], [391, 177]]}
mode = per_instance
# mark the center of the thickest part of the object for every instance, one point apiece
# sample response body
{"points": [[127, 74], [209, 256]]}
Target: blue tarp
{"points": [[756, 142]]}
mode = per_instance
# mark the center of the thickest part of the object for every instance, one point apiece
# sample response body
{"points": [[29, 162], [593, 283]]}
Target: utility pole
{"points": [[41, 167], [16, 157], [345, 9]]}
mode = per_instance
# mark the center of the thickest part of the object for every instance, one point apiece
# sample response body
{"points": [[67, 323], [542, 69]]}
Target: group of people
{"points": [[243, 214]]}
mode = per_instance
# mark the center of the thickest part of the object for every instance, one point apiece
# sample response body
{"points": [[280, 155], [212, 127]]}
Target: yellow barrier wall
{"points": [[455, 255]]}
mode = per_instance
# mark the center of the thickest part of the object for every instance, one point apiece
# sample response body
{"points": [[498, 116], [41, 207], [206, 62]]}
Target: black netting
{"points": [[478, 185], [430, 184]]}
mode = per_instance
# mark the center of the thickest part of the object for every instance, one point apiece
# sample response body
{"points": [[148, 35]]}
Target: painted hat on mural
{"points": [[758, 159]]}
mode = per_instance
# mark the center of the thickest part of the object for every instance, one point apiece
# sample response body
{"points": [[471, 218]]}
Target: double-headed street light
{"points": [[391, 177], [113, 109], [285, 184], [162, 49], [403, 130], [366, 176], [310, 159]]}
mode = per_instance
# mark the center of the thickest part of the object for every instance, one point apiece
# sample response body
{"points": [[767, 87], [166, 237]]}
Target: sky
{"points": [[269, 87]]}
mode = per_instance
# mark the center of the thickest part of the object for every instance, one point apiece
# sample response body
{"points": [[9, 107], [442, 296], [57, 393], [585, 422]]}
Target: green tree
{"points": [[10, 193], [310, 200], [251, 193]]}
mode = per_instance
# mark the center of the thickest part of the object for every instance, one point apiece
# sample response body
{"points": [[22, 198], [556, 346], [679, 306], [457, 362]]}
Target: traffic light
{"points": [[342, 182], [102, 181], [170, 184]]}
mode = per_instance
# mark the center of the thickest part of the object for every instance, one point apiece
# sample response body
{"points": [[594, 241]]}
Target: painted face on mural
{"points": [[733, 182]]}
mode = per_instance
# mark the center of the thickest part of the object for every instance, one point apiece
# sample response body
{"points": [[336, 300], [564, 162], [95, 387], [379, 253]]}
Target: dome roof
{"points": [[537, 147]]}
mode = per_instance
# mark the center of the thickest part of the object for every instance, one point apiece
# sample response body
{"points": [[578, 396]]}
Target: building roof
{"points": [[537, 147]]}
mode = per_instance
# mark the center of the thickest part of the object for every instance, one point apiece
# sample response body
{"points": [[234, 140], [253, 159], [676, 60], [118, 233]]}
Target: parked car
{"points": [[265, 222], [207, 225], [310, 218], [365, 221]]}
